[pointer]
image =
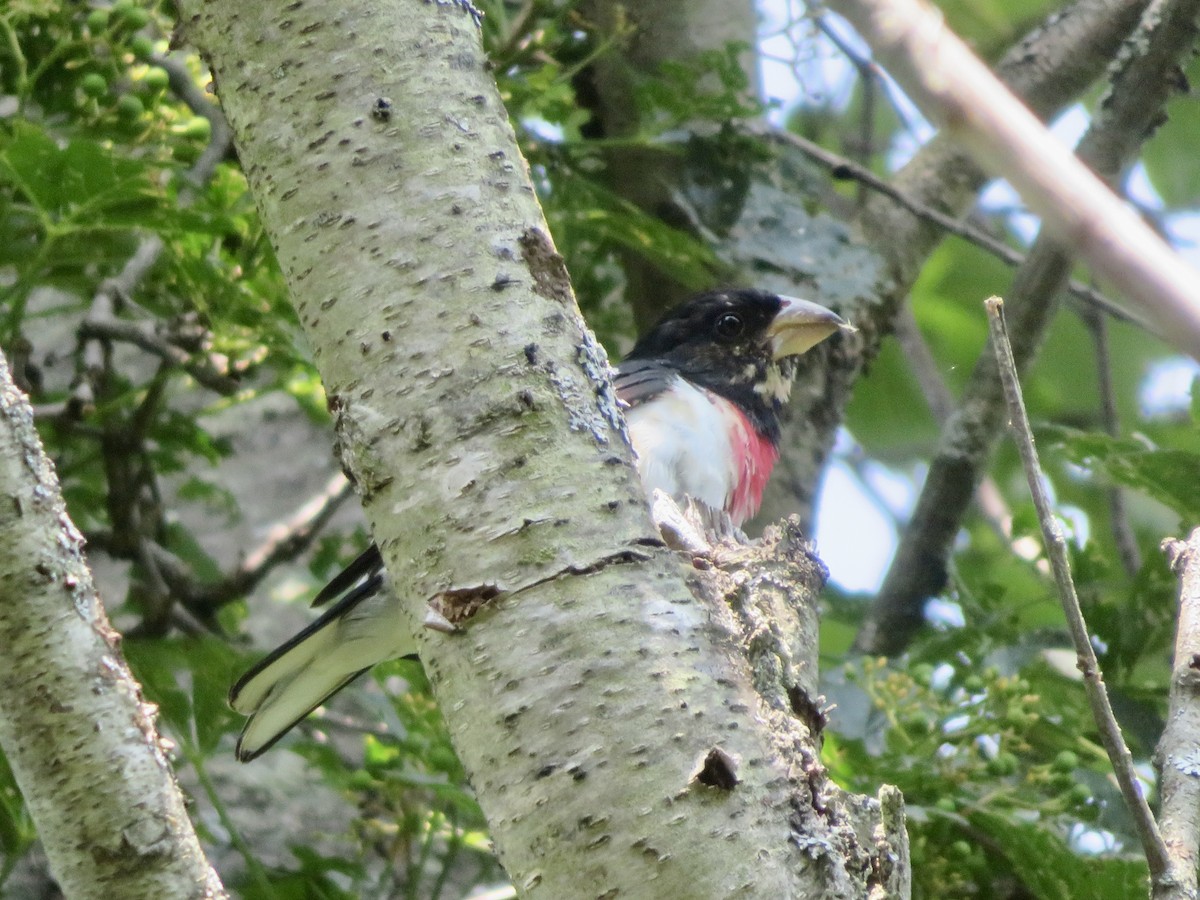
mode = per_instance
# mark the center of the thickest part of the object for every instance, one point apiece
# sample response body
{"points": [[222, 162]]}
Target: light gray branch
{"points": [[840, 167], [73, 724], [1049, 67], [1139, 88], [956, 90], [1178, 754]]}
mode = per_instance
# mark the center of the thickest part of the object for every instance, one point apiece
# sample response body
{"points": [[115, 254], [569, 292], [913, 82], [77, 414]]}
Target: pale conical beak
{"points": [[801, 325]]}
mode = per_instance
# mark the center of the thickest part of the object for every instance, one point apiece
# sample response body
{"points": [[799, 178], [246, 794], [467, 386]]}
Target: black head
{"points": [[731, 342], [713, 323]]}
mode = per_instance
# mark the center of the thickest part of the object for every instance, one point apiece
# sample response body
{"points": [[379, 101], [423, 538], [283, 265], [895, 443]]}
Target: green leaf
{"points": [[1051, 870], [189, 680], [82, 184], [587, 213], [17, 833], [1171, 477]]}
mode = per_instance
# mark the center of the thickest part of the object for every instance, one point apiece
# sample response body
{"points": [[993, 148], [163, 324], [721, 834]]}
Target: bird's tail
{"points": [[296, 678]]}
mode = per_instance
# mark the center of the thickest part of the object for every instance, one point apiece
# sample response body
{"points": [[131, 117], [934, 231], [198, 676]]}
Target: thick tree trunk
{"points": [[609, 723], [73, 724]]}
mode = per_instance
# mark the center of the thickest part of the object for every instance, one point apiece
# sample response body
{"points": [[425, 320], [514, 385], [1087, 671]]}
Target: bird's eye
{"points": [[729, 326]]}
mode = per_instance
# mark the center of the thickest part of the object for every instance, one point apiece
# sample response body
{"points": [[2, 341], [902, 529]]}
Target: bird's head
{"points": [[732, 341]]}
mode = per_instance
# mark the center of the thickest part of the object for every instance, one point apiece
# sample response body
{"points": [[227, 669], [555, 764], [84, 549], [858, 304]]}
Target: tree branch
{"points": [[973, 107], [1049, 67], [1052, 65], [1137, 93], [1118, 511], [840, 167], [1056, 550], [146, 336], [1177, 756], [285, 541], [122, 444], [69, 708], [863, 145], [220, 139]]}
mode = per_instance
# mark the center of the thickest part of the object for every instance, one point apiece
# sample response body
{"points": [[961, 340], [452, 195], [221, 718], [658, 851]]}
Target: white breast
{"points": [[682, 440]]}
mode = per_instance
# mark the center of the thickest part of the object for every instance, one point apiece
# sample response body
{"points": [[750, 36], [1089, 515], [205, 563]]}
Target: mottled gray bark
{"points": [[74, 726], [1176, 754]]}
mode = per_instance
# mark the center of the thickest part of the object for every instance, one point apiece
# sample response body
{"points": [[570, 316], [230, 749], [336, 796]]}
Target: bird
{"points": [[702, 392]]}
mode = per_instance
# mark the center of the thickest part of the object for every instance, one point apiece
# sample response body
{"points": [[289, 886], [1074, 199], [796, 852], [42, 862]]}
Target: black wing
{"points": [[639, 380], [369, 565], [339, 609]]}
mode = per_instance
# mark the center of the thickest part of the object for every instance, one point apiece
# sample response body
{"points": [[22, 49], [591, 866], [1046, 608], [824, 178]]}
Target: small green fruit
{"points": [[94, 84], [142, 46], [199, 129], [186, 153], [97, 20], [922, 674], [1066, 761], [1003, 764], [135, 17], [130, 108], [156, 79]]}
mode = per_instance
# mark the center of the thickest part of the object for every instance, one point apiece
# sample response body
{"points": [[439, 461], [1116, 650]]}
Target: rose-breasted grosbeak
{"points": [[703, 390]]}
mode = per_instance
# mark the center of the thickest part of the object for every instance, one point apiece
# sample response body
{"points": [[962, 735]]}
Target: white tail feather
{"points": [[302, 674]]}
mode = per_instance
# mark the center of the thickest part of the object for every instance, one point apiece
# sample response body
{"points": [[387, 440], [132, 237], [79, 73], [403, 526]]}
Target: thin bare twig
{"points": [[517, 30], [922, 364], [60, 409], [189, 624], [332, 721], [145, 336], [154, 594], [1118, 512], [868, 75], [1056, 552], [942, 404], [197, 603], [872, 76], [164, 576], [101, 315], [1177, 756], [285, 540], [220, 139]]}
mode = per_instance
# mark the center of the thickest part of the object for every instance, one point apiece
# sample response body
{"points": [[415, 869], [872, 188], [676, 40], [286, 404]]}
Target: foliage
{"points": [[981, 725]]}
